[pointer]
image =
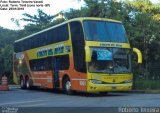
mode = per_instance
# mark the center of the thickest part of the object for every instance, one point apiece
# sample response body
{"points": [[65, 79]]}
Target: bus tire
{"points": [[27, 83], [22, 84], [67, 86]]}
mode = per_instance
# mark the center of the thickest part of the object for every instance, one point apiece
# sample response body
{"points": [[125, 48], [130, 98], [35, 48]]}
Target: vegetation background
{"points": [[141, 19]]}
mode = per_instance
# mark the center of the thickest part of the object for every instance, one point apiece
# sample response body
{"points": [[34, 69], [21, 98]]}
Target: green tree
{"points": [[144, 30], [7, 38], [37, 22], [41, 18]]}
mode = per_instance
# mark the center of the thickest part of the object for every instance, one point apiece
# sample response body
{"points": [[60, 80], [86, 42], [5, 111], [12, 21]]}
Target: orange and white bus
{"points": [[82, 54]]}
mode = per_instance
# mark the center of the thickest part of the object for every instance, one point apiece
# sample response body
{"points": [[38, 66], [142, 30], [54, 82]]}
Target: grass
{"points": [[147, 84]]}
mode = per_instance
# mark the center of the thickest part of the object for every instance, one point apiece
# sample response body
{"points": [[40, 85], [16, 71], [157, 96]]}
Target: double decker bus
{"points": [[83, 54]]}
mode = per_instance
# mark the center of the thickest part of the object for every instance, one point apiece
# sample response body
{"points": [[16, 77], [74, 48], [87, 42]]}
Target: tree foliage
{"points": [[40, 18], [7, 36], [6, 49]]}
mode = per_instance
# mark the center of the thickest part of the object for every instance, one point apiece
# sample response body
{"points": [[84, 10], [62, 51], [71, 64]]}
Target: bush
{"points": [[146, 84]]}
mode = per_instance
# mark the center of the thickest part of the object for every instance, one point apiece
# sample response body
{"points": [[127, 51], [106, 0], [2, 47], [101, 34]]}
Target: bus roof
{"points": [[75, 19]]}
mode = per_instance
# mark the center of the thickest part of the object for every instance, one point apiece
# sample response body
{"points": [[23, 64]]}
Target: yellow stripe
{"points": [[32, 54]]}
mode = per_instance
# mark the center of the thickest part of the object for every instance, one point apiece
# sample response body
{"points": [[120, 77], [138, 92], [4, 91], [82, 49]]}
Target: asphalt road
{"points": [[17, 97], [48, 98]]}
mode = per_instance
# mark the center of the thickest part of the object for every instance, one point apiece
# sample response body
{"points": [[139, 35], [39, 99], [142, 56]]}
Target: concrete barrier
{"points": [[4, 85]]}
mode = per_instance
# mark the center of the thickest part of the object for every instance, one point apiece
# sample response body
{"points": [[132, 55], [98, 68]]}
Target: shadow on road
{"points": [[82, 94], [97, 94]]}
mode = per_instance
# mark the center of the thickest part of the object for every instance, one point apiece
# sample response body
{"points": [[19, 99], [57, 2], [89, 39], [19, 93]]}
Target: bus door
{"points": [[56, 73]]}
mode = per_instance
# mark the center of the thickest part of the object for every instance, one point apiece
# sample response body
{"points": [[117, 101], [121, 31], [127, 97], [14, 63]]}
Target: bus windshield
{"points": [[110, 60], [104, 31]]}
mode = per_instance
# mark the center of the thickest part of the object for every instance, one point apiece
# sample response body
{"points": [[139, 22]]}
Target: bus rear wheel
{"points": [[27, 83], [22, 85], [67, 86]]}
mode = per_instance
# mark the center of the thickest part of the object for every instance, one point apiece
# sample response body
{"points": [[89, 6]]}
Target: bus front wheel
{"points": [[67, 86]]}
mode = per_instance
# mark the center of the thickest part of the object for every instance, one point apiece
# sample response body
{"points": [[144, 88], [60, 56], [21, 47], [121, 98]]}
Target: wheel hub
{"points": [[21, 82], [68, 85]]}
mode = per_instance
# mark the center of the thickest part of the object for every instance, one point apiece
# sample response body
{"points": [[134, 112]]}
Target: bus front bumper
{"points": [[109, 87]]}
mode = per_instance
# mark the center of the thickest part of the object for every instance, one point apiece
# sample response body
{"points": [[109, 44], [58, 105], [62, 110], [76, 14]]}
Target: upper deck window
{"points": [[104, 31], [53, 35]]}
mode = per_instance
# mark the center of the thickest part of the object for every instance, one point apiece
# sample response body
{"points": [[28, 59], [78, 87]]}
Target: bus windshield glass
{"points": [[110, 60], [104, 31]]}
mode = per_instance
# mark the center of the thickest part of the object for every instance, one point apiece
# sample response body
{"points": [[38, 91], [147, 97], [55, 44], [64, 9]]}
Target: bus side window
{"points": [[78, 46], [41, 64], [64, 62]]}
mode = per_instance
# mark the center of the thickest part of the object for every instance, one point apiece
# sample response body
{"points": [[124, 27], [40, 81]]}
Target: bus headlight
{"points": [[96, 81]]}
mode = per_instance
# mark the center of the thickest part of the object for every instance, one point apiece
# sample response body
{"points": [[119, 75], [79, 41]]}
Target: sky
{"points": [[55, 7]]}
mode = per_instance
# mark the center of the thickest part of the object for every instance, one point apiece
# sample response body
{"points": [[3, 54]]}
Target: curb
{"points": [[4, 88], [142, 91], [14, 86], [153, 91]]}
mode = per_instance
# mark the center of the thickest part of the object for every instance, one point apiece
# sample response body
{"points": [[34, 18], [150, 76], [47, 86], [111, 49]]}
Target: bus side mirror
{"points": [[88, 55], [139, 54]]}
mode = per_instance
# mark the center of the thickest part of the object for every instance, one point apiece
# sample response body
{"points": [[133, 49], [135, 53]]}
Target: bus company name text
{"points": [[110, 45], [59, 49]]}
